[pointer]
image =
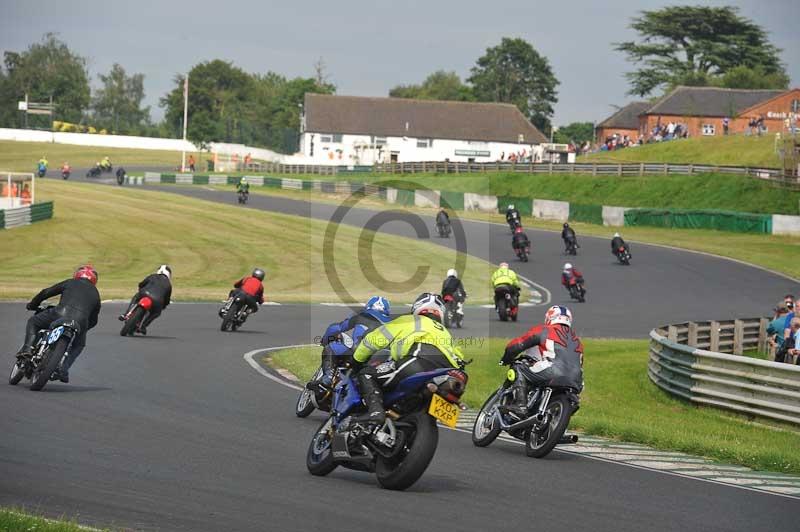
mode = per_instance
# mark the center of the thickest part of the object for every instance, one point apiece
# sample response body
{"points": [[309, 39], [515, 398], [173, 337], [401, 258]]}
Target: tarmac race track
{"points": [[175, 431]]}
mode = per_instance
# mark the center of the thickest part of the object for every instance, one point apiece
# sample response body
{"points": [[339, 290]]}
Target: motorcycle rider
{"points": [[252, 290], [569, 273], [568, 235], [504, 276], [512, 216], [243, 187], [558, 351], [65, 168], [43, 162], [105, 164], [376, 312], [80, 301], [442, 218], [158, 287], [416, 342], [520, 240], [453, 286], [616, 243]]}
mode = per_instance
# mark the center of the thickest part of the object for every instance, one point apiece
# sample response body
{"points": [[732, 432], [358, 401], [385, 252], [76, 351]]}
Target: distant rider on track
{"points": [[158, 287], [502, 277], [251, 288], [453, 286], [79, 301]]}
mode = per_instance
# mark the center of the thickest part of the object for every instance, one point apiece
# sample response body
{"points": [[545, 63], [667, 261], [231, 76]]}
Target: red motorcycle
{"points": [[623, 255], [576, 290], [452, 318], [135, 316], [522, 253]]}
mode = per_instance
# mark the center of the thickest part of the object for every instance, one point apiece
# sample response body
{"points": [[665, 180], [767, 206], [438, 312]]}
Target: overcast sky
{"points": [[368, 47]]}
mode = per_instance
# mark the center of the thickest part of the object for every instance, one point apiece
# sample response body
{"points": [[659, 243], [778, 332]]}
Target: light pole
{"points": [[185, 116]]}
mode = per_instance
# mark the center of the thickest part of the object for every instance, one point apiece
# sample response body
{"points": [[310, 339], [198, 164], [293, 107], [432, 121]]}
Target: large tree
{"points": [[118, 104], [576, 132], [440, 85], [46, 69], [690, 44], [514, 72]]}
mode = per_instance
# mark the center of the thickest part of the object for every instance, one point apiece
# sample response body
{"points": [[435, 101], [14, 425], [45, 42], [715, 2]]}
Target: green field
{"points": [[24, 156], [734, 150], [18, 521], [127, 232], [620, 402]]}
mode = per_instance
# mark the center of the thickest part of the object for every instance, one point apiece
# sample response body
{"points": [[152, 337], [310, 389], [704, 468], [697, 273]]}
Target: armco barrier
{"points": [[10, 218], [740, 384]]}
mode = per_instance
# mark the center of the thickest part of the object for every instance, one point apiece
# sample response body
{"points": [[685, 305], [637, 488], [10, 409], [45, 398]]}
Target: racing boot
{"points": [[519, 408], [373, 396]]}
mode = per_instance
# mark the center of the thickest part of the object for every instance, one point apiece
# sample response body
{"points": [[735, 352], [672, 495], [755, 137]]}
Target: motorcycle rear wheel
{"points": [[487, 436], [539, 445], [229, 321], [401, 472], [502, 310], [132, 322], [319, 459], [52, 358]]}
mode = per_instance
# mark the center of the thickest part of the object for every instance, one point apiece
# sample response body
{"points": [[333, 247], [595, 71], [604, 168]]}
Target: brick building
{"points": [[623, 122]]}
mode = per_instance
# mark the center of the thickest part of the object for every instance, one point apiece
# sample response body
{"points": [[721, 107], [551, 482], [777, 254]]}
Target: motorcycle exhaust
{"points": [[524, 424], [568, 439]]}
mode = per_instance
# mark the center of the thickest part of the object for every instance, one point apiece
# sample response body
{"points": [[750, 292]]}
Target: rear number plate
{"points": [[444, 411]]}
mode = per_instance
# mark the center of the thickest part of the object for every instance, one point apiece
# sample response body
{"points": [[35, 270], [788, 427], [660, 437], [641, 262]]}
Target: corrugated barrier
{"points": [[10, 218]]}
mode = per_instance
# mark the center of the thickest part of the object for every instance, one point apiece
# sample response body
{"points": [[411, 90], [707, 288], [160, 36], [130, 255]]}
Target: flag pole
{"points": [[185, 116]]}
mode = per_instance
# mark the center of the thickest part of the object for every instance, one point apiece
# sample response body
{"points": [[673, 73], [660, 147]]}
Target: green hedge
{"points": [[452, 200], [523, 205], [592, 214], [168, 178], [740, 222]]}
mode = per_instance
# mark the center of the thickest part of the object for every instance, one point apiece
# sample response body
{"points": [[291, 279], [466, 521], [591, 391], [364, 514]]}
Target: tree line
{"points": [[675, 45]]}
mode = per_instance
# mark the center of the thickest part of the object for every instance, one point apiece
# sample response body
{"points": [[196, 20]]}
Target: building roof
{"points": [[400, 117], [627, 117], [710, 101]]}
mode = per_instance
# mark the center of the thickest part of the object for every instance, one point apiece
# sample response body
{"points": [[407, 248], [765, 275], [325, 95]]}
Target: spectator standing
{"points": [[775, 330], [725, 125], [793, 354], [191, 163]]}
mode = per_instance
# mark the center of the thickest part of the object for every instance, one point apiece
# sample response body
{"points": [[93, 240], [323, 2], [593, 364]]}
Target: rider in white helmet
{"points": [[452, 286], [616, 243], [158, 287], [554, 352]]}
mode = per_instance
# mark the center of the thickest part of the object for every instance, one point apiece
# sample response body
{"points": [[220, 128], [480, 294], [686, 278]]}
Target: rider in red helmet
{"points": [[520, 240], [80, 301]]}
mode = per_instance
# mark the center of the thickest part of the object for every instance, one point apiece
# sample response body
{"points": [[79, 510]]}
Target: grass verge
{"points": [[126, 233], [12, 520], [733, 150], [620, 402], [23, 156], [777, 253]]}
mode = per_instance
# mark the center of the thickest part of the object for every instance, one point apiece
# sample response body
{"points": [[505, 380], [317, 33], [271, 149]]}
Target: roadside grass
{"points": [[779, 253], [621, 403], [127, 232], [23, 156], [13, 520], [733, 150]]}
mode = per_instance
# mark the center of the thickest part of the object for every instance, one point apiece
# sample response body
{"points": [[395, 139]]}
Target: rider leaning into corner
{"points": [[376, 312], [568, 273], [442, 218], [567, 234], [251, 288], [512, 214], [616, 243], [79, 301], [520, 240], [453, 286], [505, 276], [158, 287], [555, 351], [416, 342]]}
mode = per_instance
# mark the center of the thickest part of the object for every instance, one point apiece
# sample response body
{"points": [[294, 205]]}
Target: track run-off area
{"points": [[177, 431]]}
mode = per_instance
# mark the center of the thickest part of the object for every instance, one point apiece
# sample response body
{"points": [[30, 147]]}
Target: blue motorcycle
{"points": [[41, 170], [399, 451]]}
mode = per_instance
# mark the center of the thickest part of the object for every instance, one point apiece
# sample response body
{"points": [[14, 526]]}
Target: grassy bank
{"points": [[127, 232], [778, 253], [23, 156], [17, 521], [620, 402], [734, 150]]}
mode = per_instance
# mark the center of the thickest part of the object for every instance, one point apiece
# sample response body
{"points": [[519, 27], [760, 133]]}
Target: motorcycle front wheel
{"points": [[17, 373], [319, 459], [130, 324], [404, 469], [539, 444], [486, 428]]}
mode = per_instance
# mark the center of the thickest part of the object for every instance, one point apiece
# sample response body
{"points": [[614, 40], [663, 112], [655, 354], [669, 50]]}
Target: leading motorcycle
{"points": [[49, 350], [547, 414], [400, 450], [506, 304], [234, 312]]}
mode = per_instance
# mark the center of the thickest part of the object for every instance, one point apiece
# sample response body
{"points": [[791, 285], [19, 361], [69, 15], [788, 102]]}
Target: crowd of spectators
{"points": [[783, 332]]}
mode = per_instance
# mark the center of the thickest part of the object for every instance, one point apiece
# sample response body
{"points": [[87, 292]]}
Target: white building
{"points": [[353, 130]]}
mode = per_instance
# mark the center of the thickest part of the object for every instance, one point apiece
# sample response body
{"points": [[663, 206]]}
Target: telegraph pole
{"points": [[185, 116]]}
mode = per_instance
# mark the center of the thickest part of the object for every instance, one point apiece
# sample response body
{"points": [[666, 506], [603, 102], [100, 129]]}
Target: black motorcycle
{"points": [[571, 246], [505, 302], [94, 171], [443, 230], [522, 253], [513, 223], [577, 291], [49, 351], [234, 312], [623, 255], [121, 175], [452, 318], [243, 197], [547, 416]]}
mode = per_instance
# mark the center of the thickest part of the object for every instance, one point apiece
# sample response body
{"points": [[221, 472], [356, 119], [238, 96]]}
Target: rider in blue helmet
{"points": [[376, 313]]}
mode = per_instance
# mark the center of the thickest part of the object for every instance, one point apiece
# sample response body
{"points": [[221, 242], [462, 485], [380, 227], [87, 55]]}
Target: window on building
{"points": [[379, 141], [337, 138], [795, 106], [424, 143], [709, 129], [325, 139]]}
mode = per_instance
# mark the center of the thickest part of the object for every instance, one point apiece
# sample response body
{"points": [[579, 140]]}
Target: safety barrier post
{"points": [[692, 334], [738, 337], [762, 335], [714, 336]]}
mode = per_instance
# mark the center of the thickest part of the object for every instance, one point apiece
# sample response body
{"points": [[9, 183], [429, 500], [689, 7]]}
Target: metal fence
{"points": [[724, 336], [741, 384], [774, 175]]}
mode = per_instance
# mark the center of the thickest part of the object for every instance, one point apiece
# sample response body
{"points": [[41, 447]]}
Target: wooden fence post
{"points": [[714, 337], [691, 169], [672, 333], [666, 168], [691, 334], [738, 337], [762, 335]]}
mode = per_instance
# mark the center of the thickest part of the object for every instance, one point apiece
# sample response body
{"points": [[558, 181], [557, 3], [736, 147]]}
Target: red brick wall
{"points": [[604, 132]]}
